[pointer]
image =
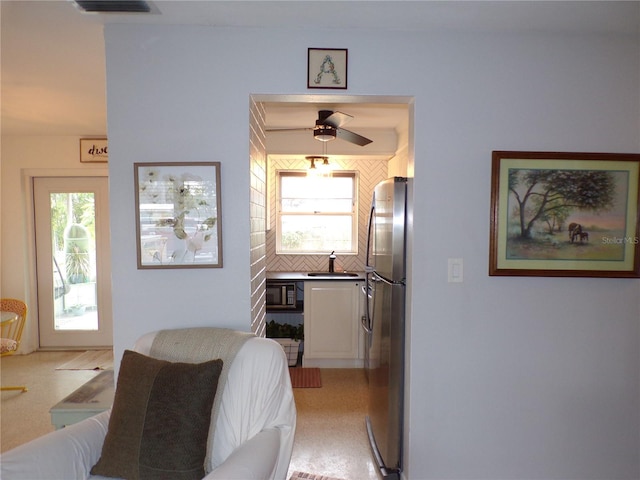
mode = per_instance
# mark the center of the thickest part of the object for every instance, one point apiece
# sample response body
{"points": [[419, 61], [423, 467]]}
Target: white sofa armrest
{"points": [[253, 460], [59, 455]]}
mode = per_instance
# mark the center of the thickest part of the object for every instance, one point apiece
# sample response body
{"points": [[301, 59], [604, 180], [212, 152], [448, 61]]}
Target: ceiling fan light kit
{"points": [[324, 133]]}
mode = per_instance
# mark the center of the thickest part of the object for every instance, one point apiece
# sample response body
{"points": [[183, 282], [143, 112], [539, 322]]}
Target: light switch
{"points": [[455, 274]]}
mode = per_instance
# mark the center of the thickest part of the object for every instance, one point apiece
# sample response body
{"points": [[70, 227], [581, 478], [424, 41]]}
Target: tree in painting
{"points": [[551, 195]]}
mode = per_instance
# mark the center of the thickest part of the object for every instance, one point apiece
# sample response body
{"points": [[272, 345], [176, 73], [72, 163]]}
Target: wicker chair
{"points": [[11, 331]]}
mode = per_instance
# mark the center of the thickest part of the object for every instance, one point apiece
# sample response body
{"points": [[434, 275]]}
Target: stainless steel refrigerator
{"points": [[384, 323]]}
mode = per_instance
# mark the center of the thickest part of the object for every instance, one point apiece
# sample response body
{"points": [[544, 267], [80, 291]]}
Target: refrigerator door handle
{"points": [[378, 278], [368, 266], [367, 289], [385, 472]]}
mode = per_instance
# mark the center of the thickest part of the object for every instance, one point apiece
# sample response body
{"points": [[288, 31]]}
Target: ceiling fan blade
{"points": [[352, 137], [335, 119], [298, 129]]}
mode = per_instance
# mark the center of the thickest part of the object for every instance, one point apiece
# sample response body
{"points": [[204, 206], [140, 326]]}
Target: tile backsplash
{"points": [[258, 175]]}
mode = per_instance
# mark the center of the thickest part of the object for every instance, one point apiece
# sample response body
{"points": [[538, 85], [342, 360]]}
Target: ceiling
{"points": [[53, 66]]}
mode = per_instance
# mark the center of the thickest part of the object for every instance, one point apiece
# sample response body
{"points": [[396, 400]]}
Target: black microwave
{"points": [[282, 296]]}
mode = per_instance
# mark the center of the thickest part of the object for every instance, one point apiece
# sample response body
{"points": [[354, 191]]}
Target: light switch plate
{"points": [[455, 273]]}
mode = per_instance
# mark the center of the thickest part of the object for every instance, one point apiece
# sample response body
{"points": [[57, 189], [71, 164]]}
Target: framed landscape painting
{"points": [[178, 215], [565, 214]]}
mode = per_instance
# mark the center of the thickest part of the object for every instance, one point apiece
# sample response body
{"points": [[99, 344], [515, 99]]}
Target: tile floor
{"points": [[331, 438], [330, 434], [24, 416]]}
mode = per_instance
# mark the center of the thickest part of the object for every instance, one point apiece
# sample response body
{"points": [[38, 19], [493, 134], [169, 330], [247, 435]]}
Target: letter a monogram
{"points": [[327, 66]]}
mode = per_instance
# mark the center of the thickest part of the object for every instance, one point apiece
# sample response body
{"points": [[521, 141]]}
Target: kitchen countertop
{"points": [[302, 276]]}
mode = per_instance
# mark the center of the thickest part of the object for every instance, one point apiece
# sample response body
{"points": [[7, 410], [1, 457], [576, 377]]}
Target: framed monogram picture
{"points": [[327, 68]]}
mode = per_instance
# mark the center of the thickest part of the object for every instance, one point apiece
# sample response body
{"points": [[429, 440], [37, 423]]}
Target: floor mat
{"points": [[310, 476], [305, 377], [90, 360]]}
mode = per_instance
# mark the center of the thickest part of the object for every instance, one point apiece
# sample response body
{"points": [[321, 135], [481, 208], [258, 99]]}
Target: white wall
{"points": [[519, 377], [509, 377]]}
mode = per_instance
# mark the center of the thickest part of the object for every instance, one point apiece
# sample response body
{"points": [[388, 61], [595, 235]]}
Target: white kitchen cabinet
{"points": [[332, 312]]}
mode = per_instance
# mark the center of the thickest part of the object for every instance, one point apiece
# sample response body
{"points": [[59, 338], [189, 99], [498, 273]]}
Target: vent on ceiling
{"points": [[114, 6]]}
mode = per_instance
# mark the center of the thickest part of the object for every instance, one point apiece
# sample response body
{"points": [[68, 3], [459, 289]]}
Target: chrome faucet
{"points": [[332, 259]]}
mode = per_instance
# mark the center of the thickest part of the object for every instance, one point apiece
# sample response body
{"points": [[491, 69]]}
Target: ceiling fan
{"points": [[329, 127]]}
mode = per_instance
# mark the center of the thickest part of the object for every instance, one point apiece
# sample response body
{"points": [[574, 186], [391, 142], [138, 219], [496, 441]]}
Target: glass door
{"points": [[73, 261]]}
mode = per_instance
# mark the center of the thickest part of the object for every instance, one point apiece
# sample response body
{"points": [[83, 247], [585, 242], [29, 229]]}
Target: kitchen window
{"points": [[316, 214]]}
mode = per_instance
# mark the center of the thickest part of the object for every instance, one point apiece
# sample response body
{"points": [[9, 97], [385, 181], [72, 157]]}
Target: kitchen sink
{"points": [[332, 274]]}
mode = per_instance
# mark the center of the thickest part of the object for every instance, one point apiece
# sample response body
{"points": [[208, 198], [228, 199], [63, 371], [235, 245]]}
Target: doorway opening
{"points": [[388, 122], [282, 136]]}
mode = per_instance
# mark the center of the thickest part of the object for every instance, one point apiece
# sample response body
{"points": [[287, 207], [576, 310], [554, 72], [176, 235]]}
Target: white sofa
{"points": [[253, 436]]}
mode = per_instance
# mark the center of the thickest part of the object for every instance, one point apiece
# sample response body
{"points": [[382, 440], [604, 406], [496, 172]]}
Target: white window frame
{"points": [[354, 211]]}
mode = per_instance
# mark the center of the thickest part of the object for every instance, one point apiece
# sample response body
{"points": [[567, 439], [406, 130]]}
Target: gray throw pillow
{"points": [[160, 418]]}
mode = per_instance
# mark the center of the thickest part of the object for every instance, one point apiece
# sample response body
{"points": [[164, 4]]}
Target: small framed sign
{"points": [[94, 150], [327, 68]]}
